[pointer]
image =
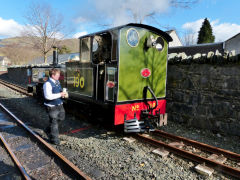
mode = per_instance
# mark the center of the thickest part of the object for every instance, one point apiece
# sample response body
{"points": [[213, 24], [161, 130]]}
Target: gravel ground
{"points": [[37, 162], [103, 154], [8, 170]]}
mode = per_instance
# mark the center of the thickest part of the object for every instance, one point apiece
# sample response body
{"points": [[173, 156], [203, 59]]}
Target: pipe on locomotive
{"points": [[145, 89], [55, 55]]}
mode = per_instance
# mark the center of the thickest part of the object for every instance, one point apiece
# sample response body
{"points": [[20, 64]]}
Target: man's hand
{"points": [[63, 94]]}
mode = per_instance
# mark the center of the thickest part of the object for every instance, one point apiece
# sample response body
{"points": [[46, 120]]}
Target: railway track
{"points": [[180, 146], [196, 151], [16, 87], [35, 158]]}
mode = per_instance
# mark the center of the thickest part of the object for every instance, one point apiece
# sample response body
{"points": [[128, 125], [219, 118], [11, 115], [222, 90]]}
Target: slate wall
{"points": [[205, 96], [18, 75]]}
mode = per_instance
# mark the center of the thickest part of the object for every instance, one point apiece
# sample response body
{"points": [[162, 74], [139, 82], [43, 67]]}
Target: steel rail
{"points": [[15, 159], [202, 146], [15, 87], [75, 169], [13, 84], [194, 157]]}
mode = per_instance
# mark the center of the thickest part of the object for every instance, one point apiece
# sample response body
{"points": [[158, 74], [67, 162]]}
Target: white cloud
{"points": [[80, 20], [77, 35], [221, 31], [10, 28], [225, 31], [193, 26], [59, 35], [120, 12]]}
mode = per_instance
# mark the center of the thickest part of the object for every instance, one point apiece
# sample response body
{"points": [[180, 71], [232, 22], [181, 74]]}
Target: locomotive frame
{"points": [[121, 75]]}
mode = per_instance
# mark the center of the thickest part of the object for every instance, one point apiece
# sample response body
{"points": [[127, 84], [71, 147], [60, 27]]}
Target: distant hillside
{"points": [[20, 52], [72, 44], [8, 41]]}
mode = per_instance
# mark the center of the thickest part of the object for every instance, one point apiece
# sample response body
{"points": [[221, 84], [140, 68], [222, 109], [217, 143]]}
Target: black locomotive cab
{"points": [[97, 65]]}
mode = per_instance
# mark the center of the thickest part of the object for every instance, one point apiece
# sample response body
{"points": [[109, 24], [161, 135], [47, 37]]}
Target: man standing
{"points": [[52, 95]]}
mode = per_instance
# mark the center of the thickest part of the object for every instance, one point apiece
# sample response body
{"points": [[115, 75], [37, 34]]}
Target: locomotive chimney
{"points": [[55, 56]]}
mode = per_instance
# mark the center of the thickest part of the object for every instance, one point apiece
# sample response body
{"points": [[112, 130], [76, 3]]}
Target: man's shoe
{"points": [[47, 130]]}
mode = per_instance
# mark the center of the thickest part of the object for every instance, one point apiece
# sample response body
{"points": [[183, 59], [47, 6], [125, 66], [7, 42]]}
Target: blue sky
{"points": [[89, 16]]}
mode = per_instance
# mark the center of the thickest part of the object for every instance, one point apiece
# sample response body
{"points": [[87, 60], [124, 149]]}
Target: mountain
{"points": [[20, 52]]}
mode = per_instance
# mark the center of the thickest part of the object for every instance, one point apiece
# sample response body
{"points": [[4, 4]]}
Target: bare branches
{"points": [[189, 38], [139, 17], [183, 3], [43, 28]]}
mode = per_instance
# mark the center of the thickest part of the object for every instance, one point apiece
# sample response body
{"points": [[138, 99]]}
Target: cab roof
{"points": [[151, 28]]}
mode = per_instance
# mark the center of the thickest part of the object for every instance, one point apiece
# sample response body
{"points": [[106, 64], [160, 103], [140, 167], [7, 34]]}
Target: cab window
{"points": [[101, 51], [85, 49]]}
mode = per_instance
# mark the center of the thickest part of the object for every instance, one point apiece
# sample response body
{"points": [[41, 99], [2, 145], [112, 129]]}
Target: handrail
{"points": [[153, 95]]}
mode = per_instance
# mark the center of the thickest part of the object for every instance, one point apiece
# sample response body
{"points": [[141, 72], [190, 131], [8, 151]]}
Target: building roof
{"points": [[199, 48], [233, 37]]}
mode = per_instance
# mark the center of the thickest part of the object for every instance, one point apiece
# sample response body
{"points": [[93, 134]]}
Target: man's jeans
{"points": [[56, 114]]}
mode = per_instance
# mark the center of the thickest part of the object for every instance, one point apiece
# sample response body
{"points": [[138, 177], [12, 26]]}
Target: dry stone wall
{"points": [[204, 91]]}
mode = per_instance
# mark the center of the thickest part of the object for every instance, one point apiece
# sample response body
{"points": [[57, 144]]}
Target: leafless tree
{"points": [[183, 3], [43, 28], [139, 17], [189, 38]]}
